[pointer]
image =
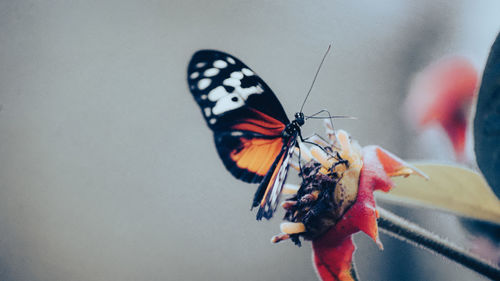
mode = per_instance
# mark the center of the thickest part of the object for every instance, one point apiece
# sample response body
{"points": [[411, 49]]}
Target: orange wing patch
{"points": [[257, 155]]}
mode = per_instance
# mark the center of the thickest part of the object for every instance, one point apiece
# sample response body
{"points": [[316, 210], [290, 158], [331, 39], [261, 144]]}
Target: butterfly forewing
{"points": [[224, 87]]}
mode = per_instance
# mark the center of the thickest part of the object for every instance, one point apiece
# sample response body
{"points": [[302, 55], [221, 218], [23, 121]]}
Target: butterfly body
{"points": [[253, 136], [294, 126]]}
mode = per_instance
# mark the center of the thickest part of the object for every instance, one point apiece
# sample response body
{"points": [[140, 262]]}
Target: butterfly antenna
{"points": [[315, 116], [316, 75]]}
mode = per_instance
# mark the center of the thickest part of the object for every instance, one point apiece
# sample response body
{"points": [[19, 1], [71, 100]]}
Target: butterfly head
{"points": [[299, 118]]}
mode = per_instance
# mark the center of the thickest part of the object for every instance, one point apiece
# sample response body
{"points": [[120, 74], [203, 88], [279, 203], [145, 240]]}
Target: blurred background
{"points": [[108, 171]]}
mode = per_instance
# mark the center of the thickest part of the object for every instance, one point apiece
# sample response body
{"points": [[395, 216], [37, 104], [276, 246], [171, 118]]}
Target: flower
{"points": [[443, 94], [335, 199]]}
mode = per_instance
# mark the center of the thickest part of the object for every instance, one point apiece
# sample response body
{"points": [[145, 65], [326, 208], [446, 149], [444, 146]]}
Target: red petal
{"points": [[334, 263], [456, 130]]}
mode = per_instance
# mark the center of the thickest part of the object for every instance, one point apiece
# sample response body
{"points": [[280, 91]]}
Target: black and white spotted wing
{"points": [[222, 85], [246, 118]]}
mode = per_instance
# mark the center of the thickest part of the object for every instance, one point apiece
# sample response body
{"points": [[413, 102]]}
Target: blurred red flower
{"points": [[442, 94]]}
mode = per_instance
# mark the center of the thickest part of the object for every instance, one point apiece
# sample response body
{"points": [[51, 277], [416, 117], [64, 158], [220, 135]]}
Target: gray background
{"points": [[108, 171]]}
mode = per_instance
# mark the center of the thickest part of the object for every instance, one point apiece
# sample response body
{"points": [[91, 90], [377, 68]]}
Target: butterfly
{"points": [[253, 136]]}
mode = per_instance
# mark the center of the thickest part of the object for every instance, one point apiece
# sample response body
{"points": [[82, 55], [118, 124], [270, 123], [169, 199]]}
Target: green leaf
{"points": [[449, 188]]}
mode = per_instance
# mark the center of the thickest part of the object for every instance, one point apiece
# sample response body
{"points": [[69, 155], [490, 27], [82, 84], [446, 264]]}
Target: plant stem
{"points": [[412, 233]]}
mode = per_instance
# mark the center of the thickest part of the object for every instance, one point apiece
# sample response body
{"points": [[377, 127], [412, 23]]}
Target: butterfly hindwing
{"points": [[267, 195]]}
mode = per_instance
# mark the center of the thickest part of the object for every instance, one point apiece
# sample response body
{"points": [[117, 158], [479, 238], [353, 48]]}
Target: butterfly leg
{"points": [[301, 173], [324, 147], [321, 139], [314, 116], [306, 140], [319, 112]]}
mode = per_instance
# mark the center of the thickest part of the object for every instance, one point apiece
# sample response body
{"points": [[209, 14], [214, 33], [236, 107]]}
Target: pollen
{"points": [[292, 227]]}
